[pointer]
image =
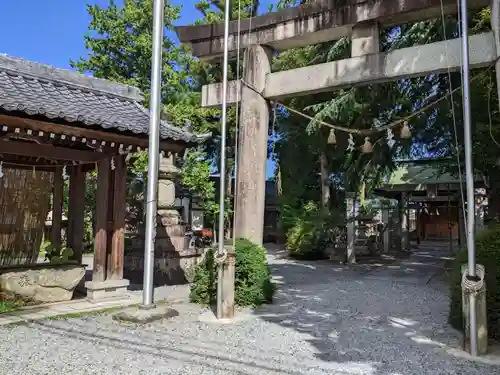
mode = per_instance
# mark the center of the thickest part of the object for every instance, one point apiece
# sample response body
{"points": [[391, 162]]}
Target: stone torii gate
{"points": [[323, 21]]}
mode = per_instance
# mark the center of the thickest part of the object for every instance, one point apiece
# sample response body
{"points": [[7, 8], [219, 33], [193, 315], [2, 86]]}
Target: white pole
{"points": [[153, 154], [469, 174], [222, 171]]}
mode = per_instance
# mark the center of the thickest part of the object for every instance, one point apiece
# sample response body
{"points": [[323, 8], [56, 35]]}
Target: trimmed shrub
{"points": [[309, 230], [487, 254], [203, 288], [253, 285]]}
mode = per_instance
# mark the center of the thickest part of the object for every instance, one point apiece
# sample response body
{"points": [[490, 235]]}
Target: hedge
{"points": [[253, 286]]}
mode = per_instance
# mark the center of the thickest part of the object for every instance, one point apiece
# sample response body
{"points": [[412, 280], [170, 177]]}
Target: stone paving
{"points": [[174, 294], [326, 319]]}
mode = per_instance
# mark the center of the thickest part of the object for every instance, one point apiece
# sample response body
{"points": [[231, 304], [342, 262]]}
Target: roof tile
{"points": [[37, 89]]}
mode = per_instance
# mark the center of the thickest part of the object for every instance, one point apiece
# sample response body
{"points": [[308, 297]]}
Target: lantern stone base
{"points": [[171, 266]]}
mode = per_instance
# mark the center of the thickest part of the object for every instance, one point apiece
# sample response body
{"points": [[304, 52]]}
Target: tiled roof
{"points": [[38, 89]]}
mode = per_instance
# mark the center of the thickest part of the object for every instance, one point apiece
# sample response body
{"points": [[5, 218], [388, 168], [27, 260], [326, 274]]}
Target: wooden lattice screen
{"points": [[24, 204]]}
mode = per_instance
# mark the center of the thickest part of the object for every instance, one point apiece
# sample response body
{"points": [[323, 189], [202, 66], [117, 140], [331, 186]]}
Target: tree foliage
{"points": [[119, 45], [436, 131]]}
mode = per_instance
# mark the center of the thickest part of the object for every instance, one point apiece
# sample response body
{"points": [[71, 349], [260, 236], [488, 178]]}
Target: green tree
{"points": [[302, 143], [119, 45], [370, 107]]}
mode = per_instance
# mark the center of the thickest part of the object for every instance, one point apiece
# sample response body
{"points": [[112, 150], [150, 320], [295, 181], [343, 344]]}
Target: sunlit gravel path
{"points": [[326, 320]]}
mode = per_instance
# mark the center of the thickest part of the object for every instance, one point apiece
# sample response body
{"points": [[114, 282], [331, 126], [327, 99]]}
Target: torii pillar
{"points": [[252, 146]]}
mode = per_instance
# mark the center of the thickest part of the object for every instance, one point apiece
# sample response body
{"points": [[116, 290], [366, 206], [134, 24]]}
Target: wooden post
{"points": [[351, 228], [386, 222], [76, 212], [118, 236], [418, 224], [109, 218], [403, 212], [101, 220], [57, 207], [71, 202]]}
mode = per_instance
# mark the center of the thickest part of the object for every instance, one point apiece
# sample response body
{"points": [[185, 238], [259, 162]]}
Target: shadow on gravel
{"points": [[396, 327], [133, 342]]}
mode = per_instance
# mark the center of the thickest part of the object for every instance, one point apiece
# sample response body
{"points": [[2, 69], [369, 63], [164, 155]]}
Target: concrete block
{"points": [[100, 290]]}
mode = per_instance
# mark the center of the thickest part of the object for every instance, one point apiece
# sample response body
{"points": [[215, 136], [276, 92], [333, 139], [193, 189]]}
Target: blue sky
{"points": [[51, 31]]}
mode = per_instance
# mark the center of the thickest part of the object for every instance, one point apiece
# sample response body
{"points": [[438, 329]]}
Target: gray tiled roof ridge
{"points": [[40, 89], [34, 70], [187, 133]]}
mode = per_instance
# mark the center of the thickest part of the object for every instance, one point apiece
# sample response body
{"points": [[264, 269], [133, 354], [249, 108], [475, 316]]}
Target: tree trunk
{"points": [[325, 181]]}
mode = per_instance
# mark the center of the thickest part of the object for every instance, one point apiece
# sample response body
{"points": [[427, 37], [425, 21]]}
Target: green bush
{"points": [[488, 254], [253, 285], [309, 230], [55, 256]]}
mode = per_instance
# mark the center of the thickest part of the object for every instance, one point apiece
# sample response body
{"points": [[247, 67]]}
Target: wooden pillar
{"points": [[101, 220], [109, 217], [118, 235], [71, 202], [386, 222], [417, 218], [57, 208], [351, 227], [404, 221], [76, 212]]}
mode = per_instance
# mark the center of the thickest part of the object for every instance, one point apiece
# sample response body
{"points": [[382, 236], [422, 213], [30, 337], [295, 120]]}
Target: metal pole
{"points": [[222, 172], [153, 153], [469, 172]]}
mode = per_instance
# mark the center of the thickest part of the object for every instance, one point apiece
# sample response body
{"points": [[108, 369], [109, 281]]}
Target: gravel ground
{"points": [[326, 320]]}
